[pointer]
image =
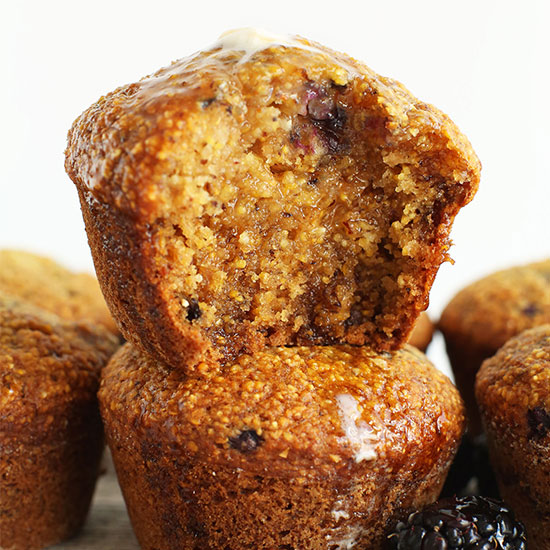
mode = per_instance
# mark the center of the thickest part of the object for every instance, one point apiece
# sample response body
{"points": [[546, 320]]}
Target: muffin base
{"points": [[208, 507], [291, 448], [522, 468], [47, 486]]}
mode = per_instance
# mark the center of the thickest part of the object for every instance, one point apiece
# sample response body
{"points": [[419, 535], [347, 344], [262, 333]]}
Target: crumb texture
{"points": [[286, 197], [291, 446]]}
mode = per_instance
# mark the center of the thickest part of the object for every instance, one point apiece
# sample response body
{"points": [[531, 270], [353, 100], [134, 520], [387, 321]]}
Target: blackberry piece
{"points": [[466, 523], [247, 441], [193, 310]]}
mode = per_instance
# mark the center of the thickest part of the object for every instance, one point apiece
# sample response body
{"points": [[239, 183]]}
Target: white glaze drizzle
{"points": [[337, 514], [346, 540], [250, 40], [361, 436]]}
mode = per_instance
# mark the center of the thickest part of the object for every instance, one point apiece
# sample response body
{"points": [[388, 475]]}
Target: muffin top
{"points": [[267, 192], [307, 411], [47, 365], [48, 285], [513, 387], [492, 310]]}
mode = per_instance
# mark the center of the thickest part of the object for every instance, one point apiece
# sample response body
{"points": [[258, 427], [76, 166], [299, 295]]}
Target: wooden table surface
{"points": [[107, 526]]}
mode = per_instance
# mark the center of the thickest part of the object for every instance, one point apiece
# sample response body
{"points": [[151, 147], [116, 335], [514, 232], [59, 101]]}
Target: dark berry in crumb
{"points": [[538, 420], [246, 441], [205, 103], [193, 310], [471, 472], [531, 310], [465, 523]]}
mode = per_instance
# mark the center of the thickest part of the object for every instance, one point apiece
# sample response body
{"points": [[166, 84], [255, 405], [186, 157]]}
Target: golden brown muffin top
{"points": [[130, 137], [513, 387], [50, 286], [286, 195], [46, 364], [492, 310], [306, 410]]}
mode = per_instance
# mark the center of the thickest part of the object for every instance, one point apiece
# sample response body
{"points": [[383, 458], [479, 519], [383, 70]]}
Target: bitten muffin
{"points": [[513, 392], [267, 191], [422, 333], [295, 448], [50, 286], [485, 315], [51, 437]]}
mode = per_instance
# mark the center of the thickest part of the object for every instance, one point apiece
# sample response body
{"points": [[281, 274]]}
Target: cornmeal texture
{"points": [[513, 392], [50, 286], [51, 437], [289, 197], [295, 448], [486, 314]]}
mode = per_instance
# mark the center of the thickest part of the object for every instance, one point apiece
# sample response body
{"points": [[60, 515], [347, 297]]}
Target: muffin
{"points": [[513, 392], [267, 191], [293, 448], [50, 286], [51, 435], [485, 315], [422, 333]]}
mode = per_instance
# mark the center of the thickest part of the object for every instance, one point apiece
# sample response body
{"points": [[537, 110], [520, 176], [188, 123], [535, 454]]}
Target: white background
{"points": [[485, 63]]}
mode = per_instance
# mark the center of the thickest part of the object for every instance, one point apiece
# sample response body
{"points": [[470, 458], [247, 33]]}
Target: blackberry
{"points": [[466, 523], [247, 441]]}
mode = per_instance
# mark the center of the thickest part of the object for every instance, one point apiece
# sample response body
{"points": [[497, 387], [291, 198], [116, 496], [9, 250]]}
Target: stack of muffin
{"points": [[266, 219]]}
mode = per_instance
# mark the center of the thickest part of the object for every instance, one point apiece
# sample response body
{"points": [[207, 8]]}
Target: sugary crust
{"points": [[513, 392], [326, 432], [47, 367], [124, 151], [50, 429], [289, 396], [486, 314], [48, 285]]}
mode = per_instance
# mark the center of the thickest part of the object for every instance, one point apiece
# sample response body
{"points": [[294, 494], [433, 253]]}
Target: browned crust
{"points": [[486, 314], [48, 368], [513, 392], [46, 284], [136, 301], [50, 429], [119, 145], [293, 387], [171, 441], [174, 503], [47, 483]]}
